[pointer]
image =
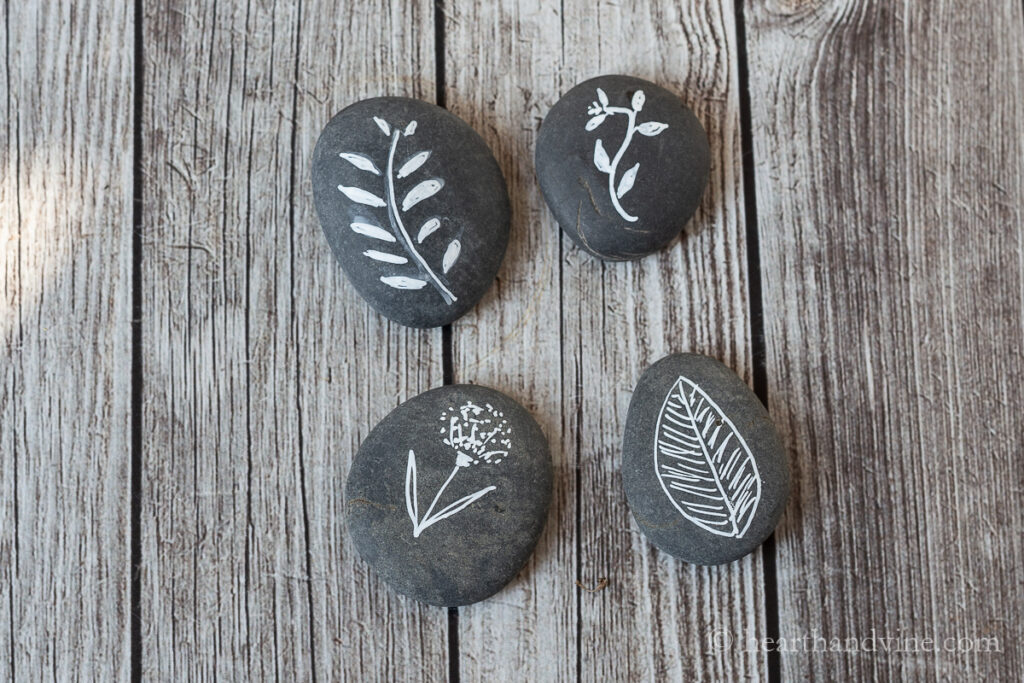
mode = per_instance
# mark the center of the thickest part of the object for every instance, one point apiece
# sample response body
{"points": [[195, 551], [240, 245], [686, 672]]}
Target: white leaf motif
{"points": [[424, 190], [450, 254], [361, 196], [601, 158], [427, 229], [361, 162], [626, 183], [374, 231], [651, 128], [402, 282], [383, 125], [410, 129], [385, 257], [413, 163], [596, 121], [638, 100], [603, 97], [411, 502], [704, 465]]}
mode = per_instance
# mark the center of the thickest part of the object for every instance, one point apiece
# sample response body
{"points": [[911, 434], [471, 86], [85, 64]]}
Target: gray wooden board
{"points": [[889, 176], [263, 368], [65, 326], [889, 186]]}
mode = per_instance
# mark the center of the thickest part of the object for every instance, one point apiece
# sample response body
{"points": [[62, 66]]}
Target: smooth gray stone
{"points": [[622, 164], [414, 207], [448, 494], [703, 467]]}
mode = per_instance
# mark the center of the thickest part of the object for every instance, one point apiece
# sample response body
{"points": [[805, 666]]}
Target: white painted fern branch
{"points": [[420, 192], [601, 110], [703, 463]]}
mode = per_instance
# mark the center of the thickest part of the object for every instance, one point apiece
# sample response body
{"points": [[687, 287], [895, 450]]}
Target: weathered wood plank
{"points": [[263, 369], [658, 618], [502, 77], [65, 325], [355, 366], [890, 185]]}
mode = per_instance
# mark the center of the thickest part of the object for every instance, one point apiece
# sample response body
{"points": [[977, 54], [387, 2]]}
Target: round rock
{"points": [[447, 496], [622, 164], [414, 207], [703, 467]]}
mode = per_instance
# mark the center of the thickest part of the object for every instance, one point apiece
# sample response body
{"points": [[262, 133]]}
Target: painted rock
{"points": [[414, 207], [622, 164], [448, 494], [703, 467]]}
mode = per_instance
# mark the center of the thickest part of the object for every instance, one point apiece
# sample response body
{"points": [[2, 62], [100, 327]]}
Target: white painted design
{"points": [[601, 110], [420, 192], [477, 435], [703, 463]]}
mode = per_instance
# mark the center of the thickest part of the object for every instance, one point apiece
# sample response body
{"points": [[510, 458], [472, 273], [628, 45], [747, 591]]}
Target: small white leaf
{"points": [[428, 229], [410, 129], [361, 196], [450, 254], [411, 502], [426, 189], [626, 183], [601, 96], [383, 125], [402, 282], [596, 121], [360, 162], [385, 257], [374, 231], [651, 128], [414, 162], [638, 100], [601, 158]]}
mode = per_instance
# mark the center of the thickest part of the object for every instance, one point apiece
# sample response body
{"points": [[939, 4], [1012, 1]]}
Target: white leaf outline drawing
{"points": [[370, 230], [420, 192], [427, 229], [360, 161], [718, 496], [450, 254], [599, 111], [626, 184], [478, 435]]}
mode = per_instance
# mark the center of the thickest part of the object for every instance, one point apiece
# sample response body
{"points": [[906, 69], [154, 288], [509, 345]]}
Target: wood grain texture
{"points": [[890, 183], [658, 618], [263, 368], [512, 340], [65, 326], [356, 366]]}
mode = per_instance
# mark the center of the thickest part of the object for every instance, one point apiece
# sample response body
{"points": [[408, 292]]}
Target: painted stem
{"points": [[630, 129], [424, 523], [403, 235]]}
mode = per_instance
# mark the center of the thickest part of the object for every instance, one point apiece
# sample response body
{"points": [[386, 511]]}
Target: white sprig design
{"points": [[478, 435], [601, 110], [421, 191], [703, 463]]}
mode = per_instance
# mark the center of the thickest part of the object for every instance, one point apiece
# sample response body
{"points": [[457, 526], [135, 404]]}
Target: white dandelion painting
{"points": [[478, 436]]}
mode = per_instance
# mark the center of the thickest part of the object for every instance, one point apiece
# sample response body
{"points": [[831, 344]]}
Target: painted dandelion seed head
{"points": [[477, 434]]}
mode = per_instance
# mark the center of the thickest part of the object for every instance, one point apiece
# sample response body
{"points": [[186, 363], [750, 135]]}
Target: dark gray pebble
{"points": [[448, 494], [703, 467], [414, 207], [622, 164]]}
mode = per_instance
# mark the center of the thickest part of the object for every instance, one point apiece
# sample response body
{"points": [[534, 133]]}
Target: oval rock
{"points": [[622, 164], [448, 494], [414, 207], [703, 467]]}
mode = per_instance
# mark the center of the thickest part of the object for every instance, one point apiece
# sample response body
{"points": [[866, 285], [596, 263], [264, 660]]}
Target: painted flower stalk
{"points": [[478, 435], [600, 110]]}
